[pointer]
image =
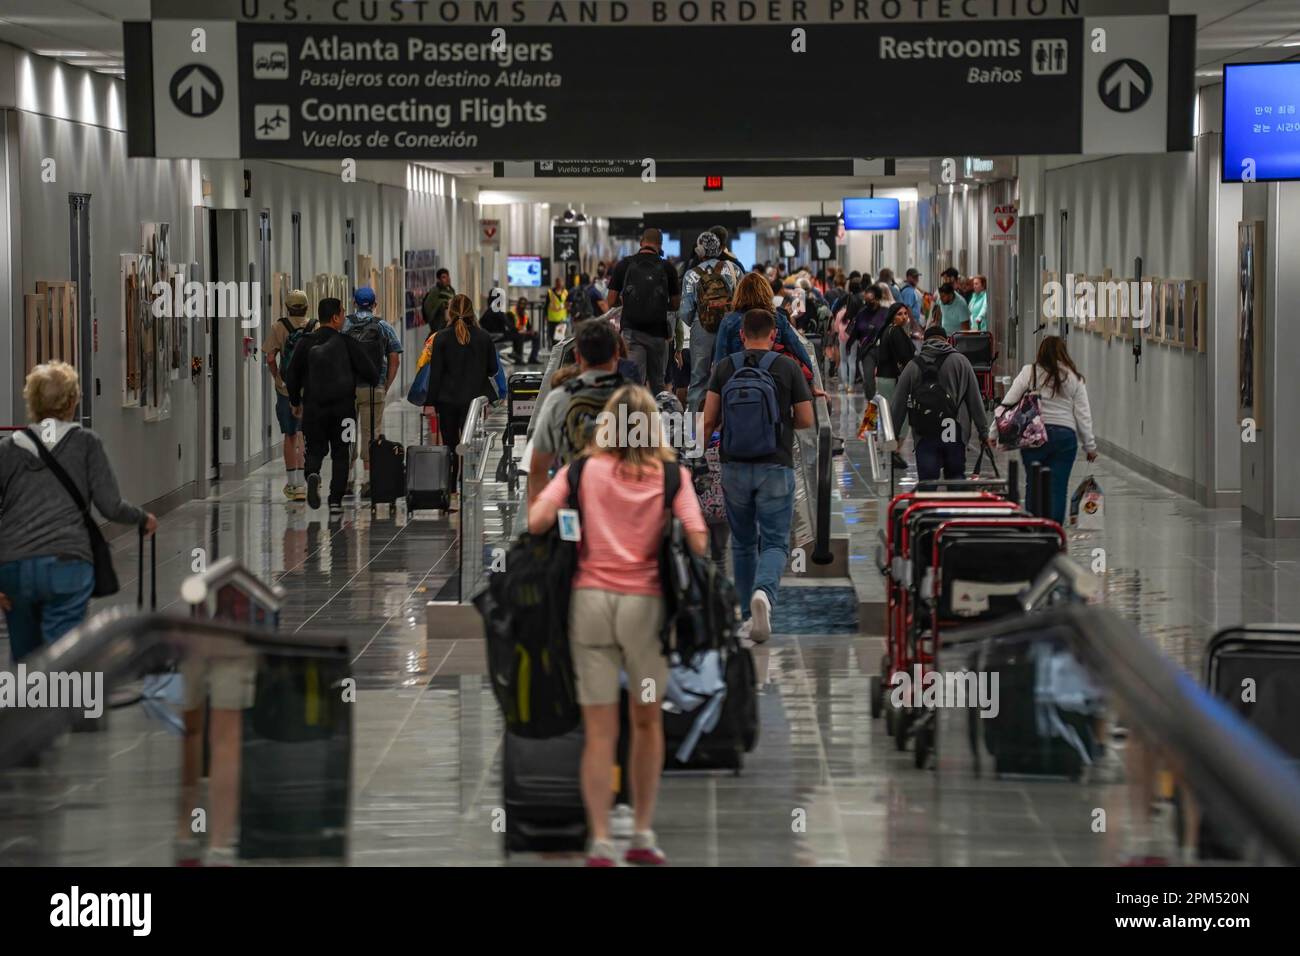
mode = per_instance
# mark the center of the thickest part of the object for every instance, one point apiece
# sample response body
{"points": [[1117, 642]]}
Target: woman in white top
{"points": [[1063, 398]]}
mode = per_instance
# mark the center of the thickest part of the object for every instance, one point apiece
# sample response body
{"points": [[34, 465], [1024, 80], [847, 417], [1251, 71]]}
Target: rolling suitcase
{"points": [[296, 759], [542, 794], [735, 732], [387, 467], [428, 476]]}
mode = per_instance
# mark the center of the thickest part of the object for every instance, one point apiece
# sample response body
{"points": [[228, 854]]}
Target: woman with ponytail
{"points": [[462, 366]]}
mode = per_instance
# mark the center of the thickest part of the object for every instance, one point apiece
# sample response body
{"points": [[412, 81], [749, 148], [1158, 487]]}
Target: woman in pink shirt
{"points": [[617, 609]]}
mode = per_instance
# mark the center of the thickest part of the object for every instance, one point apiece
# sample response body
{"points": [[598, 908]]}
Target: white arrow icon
{"points": [[1127, 81], [197, 86]]}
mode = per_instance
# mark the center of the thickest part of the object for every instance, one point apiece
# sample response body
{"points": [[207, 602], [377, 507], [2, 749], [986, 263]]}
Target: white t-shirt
{"points": [[1069, 409]]}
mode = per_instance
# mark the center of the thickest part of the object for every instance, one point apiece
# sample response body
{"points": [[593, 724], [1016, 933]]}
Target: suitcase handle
{"points": [[153, 573]]}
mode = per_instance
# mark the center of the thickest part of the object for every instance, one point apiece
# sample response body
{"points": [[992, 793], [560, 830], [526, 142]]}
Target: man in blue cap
{"points": [[381, 344]]}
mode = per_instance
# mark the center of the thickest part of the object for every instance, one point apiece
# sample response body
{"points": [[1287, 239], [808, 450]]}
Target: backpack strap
{"points": [[575, 477], [768, 360], [737, 361], [672, 483], [288, 325]]}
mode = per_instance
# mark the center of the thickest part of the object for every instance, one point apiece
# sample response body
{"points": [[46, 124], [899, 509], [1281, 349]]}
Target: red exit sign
{"points": [[712, 184]]}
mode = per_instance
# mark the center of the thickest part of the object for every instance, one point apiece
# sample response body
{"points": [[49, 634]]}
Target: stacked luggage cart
{"points": [[954, 554], [978, 349]]}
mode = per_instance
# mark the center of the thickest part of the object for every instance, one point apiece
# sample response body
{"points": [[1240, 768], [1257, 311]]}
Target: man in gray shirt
{"points": [[554, 443]]}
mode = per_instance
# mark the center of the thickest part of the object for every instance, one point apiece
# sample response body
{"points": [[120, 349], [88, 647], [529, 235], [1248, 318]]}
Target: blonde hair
{"points": [[638, 405], [753, 291], [460, 312], [52, 390]]}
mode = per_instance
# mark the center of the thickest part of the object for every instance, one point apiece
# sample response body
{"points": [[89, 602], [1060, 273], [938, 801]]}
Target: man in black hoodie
{"points": [[323, 377]]}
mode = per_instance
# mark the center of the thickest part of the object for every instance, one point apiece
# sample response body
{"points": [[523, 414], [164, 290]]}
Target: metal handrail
{"points": [[1246, 777], [1062, 578], [225, 571], [822, 424], [474, 424], [122, 644]]}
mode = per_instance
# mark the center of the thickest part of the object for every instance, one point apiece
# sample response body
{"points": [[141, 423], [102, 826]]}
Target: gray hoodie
{"points": [[37, 515], [957, 379]]}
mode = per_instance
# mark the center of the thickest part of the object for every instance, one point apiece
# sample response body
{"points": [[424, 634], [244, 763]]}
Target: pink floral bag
{"points": [[1022, 425]]}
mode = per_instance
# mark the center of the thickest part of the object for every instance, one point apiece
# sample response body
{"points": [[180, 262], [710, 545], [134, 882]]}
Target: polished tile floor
{"points": [[824, 786]]}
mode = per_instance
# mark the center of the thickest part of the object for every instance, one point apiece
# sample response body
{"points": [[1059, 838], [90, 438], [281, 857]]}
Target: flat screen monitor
{"points": [[1261, 122], [744, 246], [524, 271], [672, 247], [870, 213]]}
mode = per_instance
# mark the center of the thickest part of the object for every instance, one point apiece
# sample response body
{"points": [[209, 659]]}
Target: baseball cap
{"points": [[912, 273], [296, 300], [364, 296], [936, 332]]}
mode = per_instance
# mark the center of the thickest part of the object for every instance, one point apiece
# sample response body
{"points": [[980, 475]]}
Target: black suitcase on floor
{"points": [[542, 794], [1019, 739], [387, 467], [296, 760], [735, 734]]}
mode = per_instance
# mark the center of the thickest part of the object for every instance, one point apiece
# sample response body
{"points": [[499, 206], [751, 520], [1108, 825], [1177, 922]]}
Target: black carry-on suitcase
{"points": [[1255, 669], [736, 732], [297, 758], [542, 793], [428, 475], [387, 466]]}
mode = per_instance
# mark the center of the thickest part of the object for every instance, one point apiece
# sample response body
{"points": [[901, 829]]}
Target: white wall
{"points": [[72, 116], [1119, 208]]}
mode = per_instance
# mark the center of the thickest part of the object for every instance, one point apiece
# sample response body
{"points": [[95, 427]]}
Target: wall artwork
{"points": [[421, 274], [1250, 298], [155, 347]]}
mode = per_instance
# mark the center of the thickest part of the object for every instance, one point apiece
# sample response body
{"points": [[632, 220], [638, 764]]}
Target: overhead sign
{"points": [[403, 88], [564, 243], [1004, 223], [489, 233], [822, 233], [789, 243], [1127, 100]]}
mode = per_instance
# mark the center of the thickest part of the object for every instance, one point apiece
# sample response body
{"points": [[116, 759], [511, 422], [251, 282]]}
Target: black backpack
{"points": [[370, 336], [700, 605], [580, 304], [525, 611], [928, 404], [644, 295], [296, 333]]}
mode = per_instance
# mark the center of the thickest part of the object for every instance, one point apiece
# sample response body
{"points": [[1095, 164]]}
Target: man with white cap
{"points": [[281, 340], [706, 298]]}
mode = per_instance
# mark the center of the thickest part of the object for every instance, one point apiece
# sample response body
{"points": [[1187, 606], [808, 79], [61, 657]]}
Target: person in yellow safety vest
{"points": [[557, 309]]}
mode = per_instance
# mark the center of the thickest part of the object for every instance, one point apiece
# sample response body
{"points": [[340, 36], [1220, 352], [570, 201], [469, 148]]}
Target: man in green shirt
{"points": [[951, 310]]}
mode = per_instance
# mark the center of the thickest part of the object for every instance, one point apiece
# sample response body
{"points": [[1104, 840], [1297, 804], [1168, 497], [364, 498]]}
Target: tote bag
{"points": [[1022, 426]]}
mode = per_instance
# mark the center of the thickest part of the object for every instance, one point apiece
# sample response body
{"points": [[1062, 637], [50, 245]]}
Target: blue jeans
{"points": [[760, 505], [1058, 454], [702, 341], [934, 455], [49, 597]]}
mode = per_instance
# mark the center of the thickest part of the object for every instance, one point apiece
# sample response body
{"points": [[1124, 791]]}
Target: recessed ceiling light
{"points": [[62, 52]]}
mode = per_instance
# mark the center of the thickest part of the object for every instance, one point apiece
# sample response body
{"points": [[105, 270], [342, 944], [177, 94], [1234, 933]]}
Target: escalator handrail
{"points": [[121, 644], [1219, 753]]}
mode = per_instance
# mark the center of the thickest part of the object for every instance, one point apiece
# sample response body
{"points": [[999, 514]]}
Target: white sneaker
{"points": [[760, 616], [622, 822], [742, 632]]}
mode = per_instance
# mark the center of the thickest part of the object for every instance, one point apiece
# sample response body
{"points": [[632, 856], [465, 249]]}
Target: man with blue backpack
{"points": [[281, 339], [757, 399]]}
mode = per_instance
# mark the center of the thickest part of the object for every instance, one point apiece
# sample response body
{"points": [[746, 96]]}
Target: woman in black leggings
{"points": [[462, 365]]}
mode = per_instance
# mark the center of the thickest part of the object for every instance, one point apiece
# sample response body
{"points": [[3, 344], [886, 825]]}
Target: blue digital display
{"points": [[1261, 122], [524, 271], [870, 213]]}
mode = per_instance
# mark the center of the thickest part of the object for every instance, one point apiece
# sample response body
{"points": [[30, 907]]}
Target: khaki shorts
{"points": [[230, 683], [364, 400], [611, 632]]}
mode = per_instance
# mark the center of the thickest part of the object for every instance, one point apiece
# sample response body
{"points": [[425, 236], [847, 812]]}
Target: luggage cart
{"points": [[978, 349]]}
